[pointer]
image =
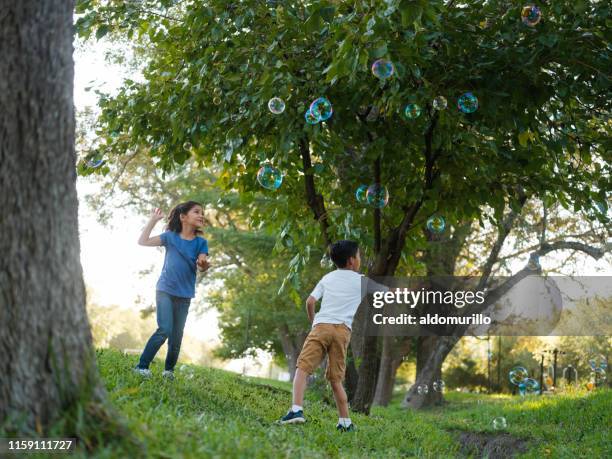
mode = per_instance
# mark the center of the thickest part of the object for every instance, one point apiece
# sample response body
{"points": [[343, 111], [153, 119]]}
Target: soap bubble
{"points": [[95, 162], [517, 375], [531, 385], [310, 117], [436, 224], [187, 146], [326, 262], [360, 194], [382, 69], [412, 111], [276, 105], [377, 196], [531, 15], [467, 103], [438, 386], [598, 362], [321, 108], [600, 374], [269, 177], [440, 103], [217, 100], [500, 423], [422, 390]]}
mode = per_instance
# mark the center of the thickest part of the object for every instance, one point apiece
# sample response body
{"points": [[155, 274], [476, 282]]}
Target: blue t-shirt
{"points": [[178, 275]]}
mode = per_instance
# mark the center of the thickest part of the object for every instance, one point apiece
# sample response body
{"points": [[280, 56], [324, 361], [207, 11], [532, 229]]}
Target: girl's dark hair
{"points": [[174, 219]]}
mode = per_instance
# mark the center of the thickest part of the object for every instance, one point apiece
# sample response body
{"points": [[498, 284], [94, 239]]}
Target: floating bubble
{"points": [[321, 108], [438, 386], [95, 162], [531, 15], [326, 262], [517, 375], [217, 100], [377, 196], [276, 105], [600, 374], [436, 224], [598, 361], [531, 385], [310, 117], [467, 103], [383, 69], [500, 423], [412, 111], [269, 177], [187, 146], [422, 390], [360, 194], [440, 103]]}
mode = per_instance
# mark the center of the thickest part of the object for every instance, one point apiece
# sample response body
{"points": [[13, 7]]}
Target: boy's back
{"points": [[341, 293]]}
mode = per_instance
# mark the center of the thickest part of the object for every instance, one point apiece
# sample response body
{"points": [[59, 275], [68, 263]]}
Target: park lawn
{"points": [[215, 413]]}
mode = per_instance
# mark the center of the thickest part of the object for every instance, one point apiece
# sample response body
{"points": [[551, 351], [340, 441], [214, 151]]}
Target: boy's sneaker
{"points": [[167, 374], [350, 428], [293, 417], [142, 371]]}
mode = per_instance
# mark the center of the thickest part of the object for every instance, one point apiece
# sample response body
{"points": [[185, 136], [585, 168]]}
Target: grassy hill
{"points": [[212, 413]]}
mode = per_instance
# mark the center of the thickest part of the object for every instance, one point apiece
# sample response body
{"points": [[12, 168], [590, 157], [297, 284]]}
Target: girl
{"points": [[176, 286]]}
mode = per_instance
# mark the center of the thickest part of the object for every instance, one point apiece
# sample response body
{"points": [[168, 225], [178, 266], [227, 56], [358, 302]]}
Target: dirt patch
{"points": [[491, 446]]}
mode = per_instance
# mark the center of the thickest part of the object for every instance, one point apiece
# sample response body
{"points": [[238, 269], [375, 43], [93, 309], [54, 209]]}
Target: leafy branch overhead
{"points": [[542, 126]]}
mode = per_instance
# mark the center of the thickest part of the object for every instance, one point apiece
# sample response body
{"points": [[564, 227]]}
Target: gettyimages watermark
{"points": [[532, 305]]}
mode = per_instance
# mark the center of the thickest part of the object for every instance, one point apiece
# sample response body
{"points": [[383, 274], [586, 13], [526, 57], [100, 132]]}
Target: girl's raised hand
{"points": [[157, 214]]}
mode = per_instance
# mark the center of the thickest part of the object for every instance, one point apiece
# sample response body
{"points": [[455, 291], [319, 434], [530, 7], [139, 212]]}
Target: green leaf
{"points": [[411, 11], [102, 30]]}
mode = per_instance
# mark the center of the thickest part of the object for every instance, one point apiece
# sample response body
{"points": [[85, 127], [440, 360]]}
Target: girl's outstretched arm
{"points": [[145, 238]]}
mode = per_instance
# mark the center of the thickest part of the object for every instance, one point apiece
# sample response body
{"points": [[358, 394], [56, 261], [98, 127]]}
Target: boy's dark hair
{"points": [[174, 219], [341, 251]]}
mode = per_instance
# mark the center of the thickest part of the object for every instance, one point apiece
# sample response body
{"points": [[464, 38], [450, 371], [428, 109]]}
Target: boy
{"points": [[331, 331]]}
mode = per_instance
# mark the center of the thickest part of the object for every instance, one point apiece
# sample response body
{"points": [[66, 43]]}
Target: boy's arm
{"points": [[310, 307], [145, 238]]}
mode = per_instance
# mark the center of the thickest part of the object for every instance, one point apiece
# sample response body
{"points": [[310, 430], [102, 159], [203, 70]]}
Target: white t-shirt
{"points": [[342, 293]]}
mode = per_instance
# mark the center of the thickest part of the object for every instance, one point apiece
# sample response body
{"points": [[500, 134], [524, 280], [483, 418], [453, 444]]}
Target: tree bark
{"points": [[46, 358], [393, 351], [433, 350]]}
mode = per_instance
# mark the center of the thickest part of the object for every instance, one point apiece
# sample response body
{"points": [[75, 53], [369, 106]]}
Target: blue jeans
{"points": [[171, 317]]}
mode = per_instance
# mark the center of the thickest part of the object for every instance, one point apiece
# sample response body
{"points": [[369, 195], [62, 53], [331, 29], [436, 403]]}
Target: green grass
{"points": [[221, 414]]}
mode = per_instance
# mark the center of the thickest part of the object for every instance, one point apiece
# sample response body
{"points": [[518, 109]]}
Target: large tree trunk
{"points": [[46, 358], [431, 353], [393, 351]]}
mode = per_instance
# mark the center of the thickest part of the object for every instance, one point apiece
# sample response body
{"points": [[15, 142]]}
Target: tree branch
{"points": [[315, 201]]}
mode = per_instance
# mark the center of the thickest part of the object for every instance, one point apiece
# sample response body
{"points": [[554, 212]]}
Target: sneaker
{"points": [[293, 417], [168, 374], [350, 428], [142, 371]]}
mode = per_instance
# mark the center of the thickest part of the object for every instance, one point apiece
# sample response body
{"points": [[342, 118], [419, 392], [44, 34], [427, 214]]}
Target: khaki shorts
{"points": [[330, 339]]}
